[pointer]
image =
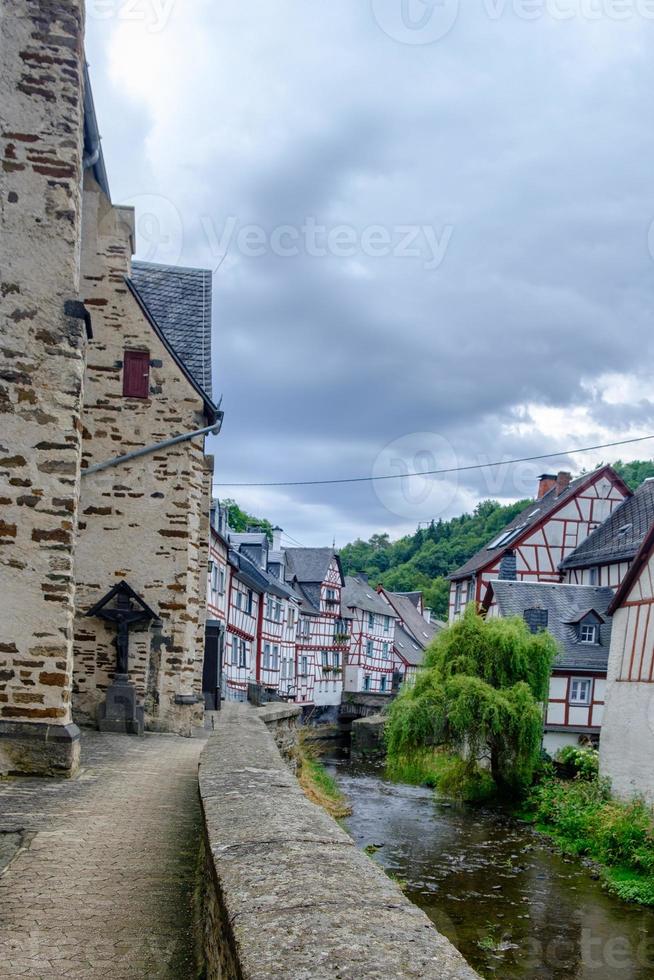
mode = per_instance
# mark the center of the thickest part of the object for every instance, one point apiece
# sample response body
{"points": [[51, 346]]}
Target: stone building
{"points": [[99, 359]]}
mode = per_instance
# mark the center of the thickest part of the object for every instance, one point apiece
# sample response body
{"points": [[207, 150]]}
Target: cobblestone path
{"points": [[102, 885]]}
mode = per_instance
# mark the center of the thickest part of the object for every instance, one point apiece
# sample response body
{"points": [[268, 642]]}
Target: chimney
{"points": [[277, 539], [546, 481], [508, 567], [562, 482]]}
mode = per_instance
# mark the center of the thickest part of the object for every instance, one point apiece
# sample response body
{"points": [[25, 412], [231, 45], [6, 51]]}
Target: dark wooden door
{"points": [[213, 647]]}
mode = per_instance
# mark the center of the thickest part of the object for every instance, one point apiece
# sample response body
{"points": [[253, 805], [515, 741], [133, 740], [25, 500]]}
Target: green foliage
{"points": [[421, 561], [578, 761], [584, 819], [240, 520], [635, 472], [460, 779], [480, 697]]}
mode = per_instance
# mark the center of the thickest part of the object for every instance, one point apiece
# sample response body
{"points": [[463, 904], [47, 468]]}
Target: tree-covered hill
{"points": [[421, 561]]}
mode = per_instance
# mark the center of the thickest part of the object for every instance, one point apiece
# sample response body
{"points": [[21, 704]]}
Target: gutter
{"points": [[213, 429]]}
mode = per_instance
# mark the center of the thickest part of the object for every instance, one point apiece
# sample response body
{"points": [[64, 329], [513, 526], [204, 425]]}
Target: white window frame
{"points": [[370, 648], [385, 651], [304, 665], [371, 621], [594, 630], [576, 699], [243, 655], [234, 651], [336, 659], [266, 656], [275, 657], [382, 684]]}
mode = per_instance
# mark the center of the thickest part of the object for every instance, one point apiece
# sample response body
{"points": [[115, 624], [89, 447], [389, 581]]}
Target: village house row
{"points": [[289, 620], [579, 562]]}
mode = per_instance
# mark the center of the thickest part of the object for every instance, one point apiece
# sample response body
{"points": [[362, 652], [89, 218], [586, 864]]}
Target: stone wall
{"points": [[145, 521], [41, 376], [288, 894]]}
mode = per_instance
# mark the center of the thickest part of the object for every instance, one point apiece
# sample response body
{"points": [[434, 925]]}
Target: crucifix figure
{"points": [[129, 610], [120, 712]]}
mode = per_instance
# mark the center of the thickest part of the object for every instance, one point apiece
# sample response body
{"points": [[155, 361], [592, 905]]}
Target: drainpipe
{"points": [[154, 447], [259, 638]]}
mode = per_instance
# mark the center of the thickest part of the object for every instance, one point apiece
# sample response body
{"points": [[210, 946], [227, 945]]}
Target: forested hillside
{"points": [[424, 559]]}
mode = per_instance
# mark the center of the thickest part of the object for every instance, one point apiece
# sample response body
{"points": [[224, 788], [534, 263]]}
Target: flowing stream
{"points": [[512, 905]]}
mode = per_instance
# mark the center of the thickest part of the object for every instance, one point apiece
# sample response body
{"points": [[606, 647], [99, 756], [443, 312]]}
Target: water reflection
{"points": [[514, 908]]}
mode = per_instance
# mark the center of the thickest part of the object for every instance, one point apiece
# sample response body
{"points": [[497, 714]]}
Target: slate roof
{"points": [[179, 301], [406, 646], [411, 620], [621, 535], [532, 514], [359, 594], [309, 564], [564, 603]]}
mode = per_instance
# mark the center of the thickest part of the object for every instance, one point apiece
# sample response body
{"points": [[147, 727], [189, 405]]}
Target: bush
{"points": [[584, 819], [578, 761], [448, 773]]}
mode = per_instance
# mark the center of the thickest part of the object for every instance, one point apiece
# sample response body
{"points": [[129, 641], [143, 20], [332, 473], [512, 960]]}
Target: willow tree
{"points": [[480, 695]]}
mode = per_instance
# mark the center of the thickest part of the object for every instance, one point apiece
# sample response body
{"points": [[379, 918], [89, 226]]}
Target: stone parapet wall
{"points": [[287, 893], [41, 375]]}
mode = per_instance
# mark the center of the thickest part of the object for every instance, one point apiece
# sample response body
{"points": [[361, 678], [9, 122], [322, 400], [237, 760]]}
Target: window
{"points": [[291, 618], [136, 374], [458, 592], [243, 654], [269, 607], [221, 580], [250, 601], [330, 595], [536, 619], [385, 651], [506, 536], [580, 688], [235, 651], [593, 576], [382, 684], [325, 658], [266, 655], [283, 670], [366, 682], [336, 660], [371, 621], [304, 666], [291, 669], [369, 648], [275, 657], [213, 576], [238, 601], [587, 633], [470, 593], [278, 612], [387, 624]]}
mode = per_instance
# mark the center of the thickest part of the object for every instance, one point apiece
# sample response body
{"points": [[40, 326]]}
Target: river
{"points": [[512, 905]]}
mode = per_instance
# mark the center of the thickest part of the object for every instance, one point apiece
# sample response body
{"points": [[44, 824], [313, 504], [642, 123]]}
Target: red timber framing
{"points": [[632, 648], [323, 643], [542, 546], [565, 714], [370, 664], [240, 646]]}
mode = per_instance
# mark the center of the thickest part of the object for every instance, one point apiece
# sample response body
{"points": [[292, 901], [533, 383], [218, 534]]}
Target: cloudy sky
{"points": [[431, 230]]}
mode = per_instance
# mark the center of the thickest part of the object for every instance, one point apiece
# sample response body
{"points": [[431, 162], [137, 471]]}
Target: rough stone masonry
{"points": [[41, 376]]}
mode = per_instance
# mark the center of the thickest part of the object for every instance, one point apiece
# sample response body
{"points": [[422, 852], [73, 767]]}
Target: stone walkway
{"points": [[102, 885]]}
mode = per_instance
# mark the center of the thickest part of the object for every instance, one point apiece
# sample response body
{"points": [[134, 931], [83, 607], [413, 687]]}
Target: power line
{"points": [[452, 469]]}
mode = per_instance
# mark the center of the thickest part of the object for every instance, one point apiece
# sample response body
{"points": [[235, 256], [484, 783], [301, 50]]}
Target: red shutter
{"points": [[136, 374]]}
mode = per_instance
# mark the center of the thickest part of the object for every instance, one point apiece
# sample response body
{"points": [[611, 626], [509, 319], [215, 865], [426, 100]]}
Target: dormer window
{"points": [[588, 633]]}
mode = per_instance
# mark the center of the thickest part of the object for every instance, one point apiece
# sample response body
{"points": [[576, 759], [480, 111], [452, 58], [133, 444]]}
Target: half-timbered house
{"points": [[218, 590], [578, 618], [627, 744], [414, 630], [246, 590], [369, 665], [533, 545], [605, 556], [316, 577]]}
